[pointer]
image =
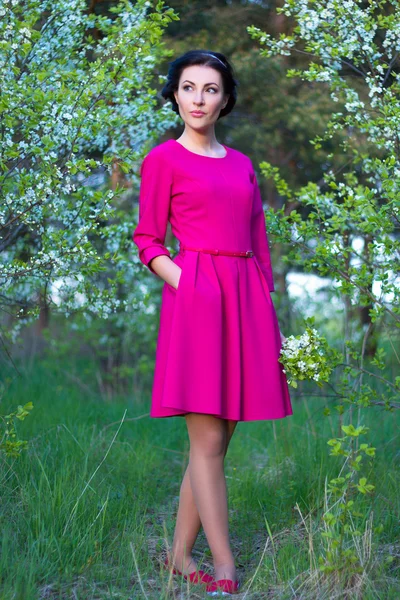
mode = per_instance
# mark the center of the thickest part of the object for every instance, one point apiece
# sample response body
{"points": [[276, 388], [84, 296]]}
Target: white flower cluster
{"points": [[391, 43], [304, 357], [275, 46], [293, 345]]}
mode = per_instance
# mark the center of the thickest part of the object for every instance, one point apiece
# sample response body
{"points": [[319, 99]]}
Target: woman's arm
{"points": [[259, 237], [154, 205]]}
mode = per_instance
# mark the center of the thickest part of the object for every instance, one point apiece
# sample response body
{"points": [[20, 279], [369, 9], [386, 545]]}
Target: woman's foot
{"points": [[195, 576], [185, 565], [225, 571], [223, 587]]}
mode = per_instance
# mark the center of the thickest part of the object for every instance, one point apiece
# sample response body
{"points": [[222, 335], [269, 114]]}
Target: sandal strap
{"points": [[200, 577], [195, 577]]}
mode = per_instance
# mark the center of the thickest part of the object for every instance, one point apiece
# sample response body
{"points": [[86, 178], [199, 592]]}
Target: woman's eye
{"points": [[185, 87]]}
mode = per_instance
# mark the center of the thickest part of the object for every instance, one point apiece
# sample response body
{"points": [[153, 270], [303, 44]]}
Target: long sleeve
{"points": [[259, 235], [154, 205]]}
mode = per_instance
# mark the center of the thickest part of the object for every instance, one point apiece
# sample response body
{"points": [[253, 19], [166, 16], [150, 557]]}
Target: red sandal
{"points": [[196, 577], [223, 587]]}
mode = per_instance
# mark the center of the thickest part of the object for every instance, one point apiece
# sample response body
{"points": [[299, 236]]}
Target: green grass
{"points": [[87, 510]]}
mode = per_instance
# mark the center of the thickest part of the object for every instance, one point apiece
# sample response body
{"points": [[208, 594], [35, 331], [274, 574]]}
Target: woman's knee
{"points": [[208, 434]]}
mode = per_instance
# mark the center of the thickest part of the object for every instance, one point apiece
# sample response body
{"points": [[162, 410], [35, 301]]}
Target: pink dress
{"points": [[218, 339]]}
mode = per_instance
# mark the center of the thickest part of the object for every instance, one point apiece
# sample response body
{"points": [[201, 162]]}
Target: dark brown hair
{"points": [[216, 60]]}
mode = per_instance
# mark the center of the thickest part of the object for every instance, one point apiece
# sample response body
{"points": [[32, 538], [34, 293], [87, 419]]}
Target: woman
{"points": [[219, 340]]}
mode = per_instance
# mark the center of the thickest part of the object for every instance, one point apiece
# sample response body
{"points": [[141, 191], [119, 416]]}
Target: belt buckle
{"points": [[216, 251], [249, 253]]}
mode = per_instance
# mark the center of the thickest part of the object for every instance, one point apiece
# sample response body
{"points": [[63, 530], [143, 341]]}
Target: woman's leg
{"points": [[186, 529], [188, 521], [208, 439]]}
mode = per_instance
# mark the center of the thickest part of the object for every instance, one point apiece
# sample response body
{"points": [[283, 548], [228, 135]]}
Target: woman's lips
{"points": [[197, 114]]}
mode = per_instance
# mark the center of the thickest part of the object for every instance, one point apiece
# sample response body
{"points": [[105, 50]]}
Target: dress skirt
{"points": [[219, 341]]}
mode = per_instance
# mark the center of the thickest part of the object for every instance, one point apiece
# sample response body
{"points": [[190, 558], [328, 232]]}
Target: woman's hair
{"points": [[216, 60]]}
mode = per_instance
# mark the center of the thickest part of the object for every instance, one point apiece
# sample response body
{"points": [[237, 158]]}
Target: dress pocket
{"points": [[178, 260]]}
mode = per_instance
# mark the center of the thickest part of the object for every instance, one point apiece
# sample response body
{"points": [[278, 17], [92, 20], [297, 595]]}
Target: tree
{"points": [[75, 101], [353, 49]]}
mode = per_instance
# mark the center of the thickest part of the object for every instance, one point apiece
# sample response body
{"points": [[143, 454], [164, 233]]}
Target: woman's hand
{"points": [[175, 284], [165, 268], [180, 273], [283, 339]]}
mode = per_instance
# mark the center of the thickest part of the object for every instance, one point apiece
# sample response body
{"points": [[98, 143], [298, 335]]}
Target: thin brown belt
{"points": [[246, 253]]}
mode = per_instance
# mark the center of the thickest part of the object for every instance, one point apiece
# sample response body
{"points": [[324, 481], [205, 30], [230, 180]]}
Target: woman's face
{"points": [[200, 89]]}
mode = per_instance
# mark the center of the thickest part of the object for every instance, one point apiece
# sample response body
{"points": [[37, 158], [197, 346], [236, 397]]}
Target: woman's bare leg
{"points": [[186, 529], [188, 521], [208, 438]]}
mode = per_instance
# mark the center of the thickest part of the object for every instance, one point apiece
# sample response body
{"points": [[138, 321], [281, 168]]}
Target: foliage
{"points": [[9, 444], [76, 104], [339, 518]]}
